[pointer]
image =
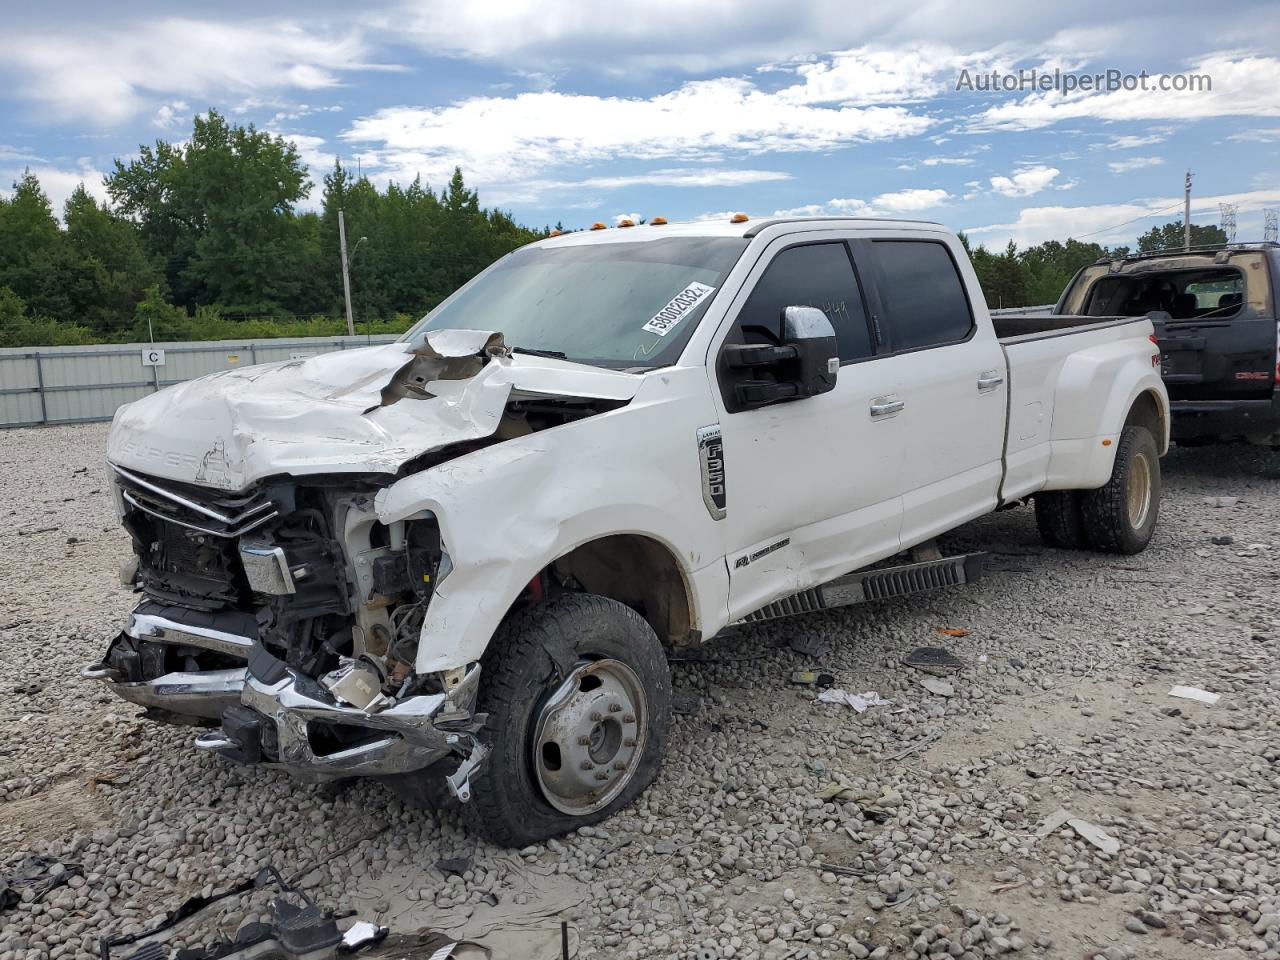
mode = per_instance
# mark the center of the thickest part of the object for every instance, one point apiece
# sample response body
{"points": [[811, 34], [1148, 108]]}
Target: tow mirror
{"points": [[805, 364]]}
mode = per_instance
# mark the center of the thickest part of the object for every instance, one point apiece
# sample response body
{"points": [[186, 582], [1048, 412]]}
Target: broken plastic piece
{"points": [[361, 933], [1196, 694], [952, 631], [858, 701], [939, 688], [355, 682], [813, 678], [808, 645], [1091, 832], [934, 660]]}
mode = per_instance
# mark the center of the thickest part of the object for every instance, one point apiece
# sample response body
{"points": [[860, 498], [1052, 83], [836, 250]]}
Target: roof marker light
{"points": [[658, 222], [739, 218], [598, 226], [625, 222]]}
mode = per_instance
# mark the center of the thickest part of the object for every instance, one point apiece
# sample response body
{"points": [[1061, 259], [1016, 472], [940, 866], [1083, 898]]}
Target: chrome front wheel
{"points": [[589, 737]]}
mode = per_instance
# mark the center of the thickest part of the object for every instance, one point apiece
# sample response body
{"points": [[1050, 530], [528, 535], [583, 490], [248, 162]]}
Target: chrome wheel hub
{"points": [[1138, 491], [589, 737]]}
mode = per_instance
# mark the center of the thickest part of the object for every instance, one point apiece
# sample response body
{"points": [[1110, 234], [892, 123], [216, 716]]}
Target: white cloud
{"points": [[170, 114], [892, 204], [516, 139], [1241, 85], [1134, 163], [1260, 135], [106, 76], [531, 191], [937, 162], [1025, 182], [1131, 142], [1113, 223]]}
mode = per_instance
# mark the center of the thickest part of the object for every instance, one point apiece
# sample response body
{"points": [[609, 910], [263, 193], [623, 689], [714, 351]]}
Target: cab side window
{"points": [[812, 275]]}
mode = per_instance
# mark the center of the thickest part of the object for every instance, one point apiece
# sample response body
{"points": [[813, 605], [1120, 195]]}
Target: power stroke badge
{"points": [[677, 308]]}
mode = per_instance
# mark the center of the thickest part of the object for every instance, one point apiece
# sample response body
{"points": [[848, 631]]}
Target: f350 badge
{"points": [[711, 460]]}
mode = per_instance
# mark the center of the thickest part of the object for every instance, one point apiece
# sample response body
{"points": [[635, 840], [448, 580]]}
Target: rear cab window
{"points": [[923, 302]]}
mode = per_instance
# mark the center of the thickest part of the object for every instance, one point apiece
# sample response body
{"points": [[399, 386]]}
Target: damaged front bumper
{"points": [[271, 714], [287, 721], [178, 671]]}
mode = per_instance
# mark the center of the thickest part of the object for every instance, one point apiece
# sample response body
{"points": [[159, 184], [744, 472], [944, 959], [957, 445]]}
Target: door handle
{"points": [[989, 380], [886, 407]]}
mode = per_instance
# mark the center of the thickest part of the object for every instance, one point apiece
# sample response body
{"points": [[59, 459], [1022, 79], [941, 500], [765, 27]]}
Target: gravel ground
{"points": [[927, 845]]}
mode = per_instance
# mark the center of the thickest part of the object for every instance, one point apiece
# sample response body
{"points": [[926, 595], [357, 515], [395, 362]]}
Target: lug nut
{"points": [[629, 742], [629, 718], [588, 765], [584, 741], [615, 708], [597, 717], [601, 775], [619, 765]]}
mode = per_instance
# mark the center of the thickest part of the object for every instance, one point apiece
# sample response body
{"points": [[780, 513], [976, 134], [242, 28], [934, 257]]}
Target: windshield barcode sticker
{"points": [[677, 308]]}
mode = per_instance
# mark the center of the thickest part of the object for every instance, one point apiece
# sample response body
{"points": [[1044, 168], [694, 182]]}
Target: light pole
{"points": [[346, 278]]}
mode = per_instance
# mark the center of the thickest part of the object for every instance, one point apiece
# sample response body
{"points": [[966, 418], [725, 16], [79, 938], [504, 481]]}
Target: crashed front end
{"points": [[291, 616]]}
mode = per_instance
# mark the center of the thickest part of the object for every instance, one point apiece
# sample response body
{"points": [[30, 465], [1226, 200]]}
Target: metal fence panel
{"points": [[81, 384]]}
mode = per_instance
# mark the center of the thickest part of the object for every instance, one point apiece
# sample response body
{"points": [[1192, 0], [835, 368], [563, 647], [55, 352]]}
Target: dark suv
{"points": [[1215, 312]]}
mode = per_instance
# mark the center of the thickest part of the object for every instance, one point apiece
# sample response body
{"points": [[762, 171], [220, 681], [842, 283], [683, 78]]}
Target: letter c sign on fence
{"points": [[152, 358]]}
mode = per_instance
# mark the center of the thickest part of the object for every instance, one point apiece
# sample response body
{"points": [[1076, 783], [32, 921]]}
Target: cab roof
{"points": [[720, 228]]}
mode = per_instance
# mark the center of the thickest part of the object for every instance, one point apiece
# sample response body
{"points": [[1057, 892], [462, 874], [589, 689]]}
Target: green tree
{"points": [[30, 249], [1169, 236], [220, 210]]}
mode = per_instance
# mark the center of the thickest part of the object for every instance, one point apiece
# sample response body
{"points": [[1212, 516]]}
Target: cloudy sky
{"points": [[561, 110]]}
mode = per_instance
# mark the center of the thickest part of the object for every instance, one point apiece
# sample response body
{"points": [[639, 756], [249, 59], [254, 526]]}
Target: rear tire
{"points": [[1120, 517], [578, 694], [1060, 520]]}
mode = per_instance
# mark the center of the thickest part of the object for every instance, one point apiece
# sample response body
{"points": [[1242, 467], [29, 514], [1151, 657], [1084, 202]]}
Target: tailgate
{"points": [[1231, 359]]}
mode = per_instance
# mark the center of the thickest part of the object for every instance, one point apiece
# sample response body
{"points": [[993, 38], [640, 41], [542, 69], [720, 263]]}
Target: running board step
{"points": [[879, 584]]}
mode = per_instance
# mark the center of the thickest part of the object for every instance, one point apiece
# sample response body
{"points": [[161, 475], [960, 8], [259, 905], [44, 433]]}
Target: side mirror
{"points": [[805, 364]]}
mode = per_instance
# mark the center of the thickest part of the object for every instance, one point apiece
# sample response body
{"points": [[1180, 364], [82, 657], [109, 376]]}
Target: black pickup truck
{"points": [[1216, 314]]}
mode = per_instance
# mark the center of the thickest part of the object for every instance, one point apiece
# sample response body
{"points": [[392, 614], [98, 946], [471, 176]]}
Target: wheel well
{"points": [[1146, 412], [639, 572]]}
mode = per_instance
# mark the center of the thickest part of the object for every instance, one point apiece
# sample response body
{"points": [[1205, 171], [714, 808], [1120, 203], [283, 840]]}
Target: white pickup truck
{"points": [[461, 558]]}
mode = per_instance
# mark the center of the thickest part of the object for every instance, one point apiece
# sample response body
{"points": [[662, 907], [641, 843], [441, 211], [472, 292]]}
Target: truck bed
{"points": [[1020, 327]]}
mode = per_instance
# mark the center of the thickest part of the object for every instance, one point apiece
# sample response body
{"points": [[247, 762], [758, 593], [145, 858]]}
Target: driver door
{"points": [[811, 484]]}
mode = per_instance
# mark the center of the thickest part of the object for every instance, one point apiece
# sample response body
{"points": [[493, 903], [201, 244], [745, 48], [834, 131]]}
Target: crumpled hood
{"points": [[352, 411]]}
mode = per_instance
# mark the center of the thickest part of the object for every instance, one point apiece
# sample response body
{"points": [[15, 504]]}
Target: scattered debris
{"points": [[1091, 832], [682, 701], [922, 744], [951, 631], [453, 866], [37, 874], [940, 688], [29, 533], [875, 807], [1222, 501], [813, 678], [807, 645], [935, 660], [1223, 541], [859, 701], [1195, 693]]}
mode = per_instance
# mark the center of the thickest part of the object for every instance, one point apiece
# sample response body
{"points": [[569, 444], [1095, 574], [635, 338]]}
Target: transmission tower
{"points": [[1269, 219], [1228, 218]]}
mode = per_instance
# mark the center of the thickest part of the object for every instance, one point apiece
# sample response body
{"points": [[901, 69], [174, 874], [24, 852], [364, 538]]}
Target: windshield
{"points": [[621, 305]]}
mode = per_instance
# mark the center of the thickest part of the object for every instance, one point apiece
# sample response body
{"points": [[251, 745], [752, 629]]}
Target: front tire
{"points": [[578, 694], [1120, 517]]}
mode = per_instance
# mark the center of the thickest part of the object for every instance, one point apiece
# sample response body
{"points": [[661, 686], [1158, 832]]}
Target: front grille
{"points": [[207, 511]]}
